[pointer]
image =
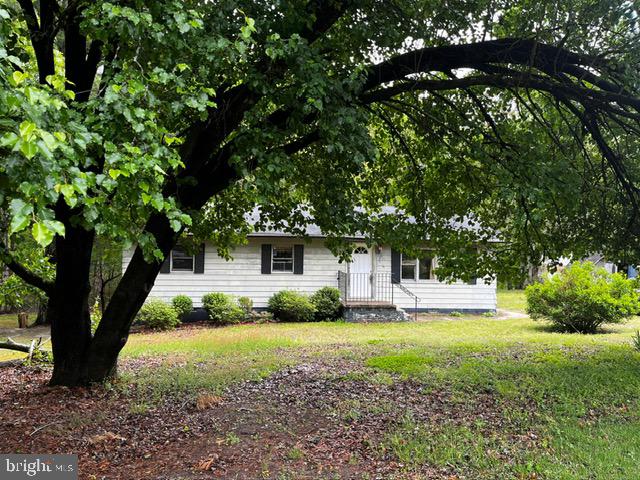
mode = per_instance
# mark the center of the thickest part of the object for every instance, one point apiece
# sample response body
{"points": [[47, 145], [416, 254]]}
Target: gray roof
{"points": [[313, 230]]}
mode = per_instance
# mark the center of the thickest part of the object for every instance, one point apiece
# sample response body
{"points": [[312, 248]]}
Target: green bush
{"points": [[582, 297], [183, 305], [290, 306], [222, 308], [246, 304], [159, 315], [327, 303]]}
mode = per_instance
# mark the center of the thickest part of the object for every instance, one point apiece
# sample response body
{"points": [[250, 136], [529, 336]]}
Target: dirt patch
{"points": [[322, 419]]}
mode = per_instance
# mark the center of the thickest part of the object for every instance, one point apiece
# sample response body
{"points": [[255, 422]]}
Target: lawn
{"points": [[8, 320], [470, 397], [512, 300]]}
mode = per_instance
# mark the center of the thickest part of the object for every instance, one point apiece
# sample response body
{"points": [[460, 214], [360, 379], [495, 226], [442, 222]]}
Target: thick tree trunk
{"points": [[133, 289], [68, 307]]}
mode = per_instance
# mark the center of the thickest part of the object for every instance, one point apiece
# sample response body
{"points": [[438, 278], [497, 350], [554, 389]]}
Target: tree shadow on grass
{"points": [[543, 327]]}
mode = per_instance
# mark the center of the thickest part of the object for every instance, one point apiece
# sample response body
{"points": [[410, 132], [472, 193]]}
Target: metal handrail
{"points": [[416, 299], [365, 287]]}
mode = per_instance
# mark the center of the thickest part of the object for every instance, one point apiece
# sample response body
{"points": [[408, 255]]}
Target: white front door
{"points": [[360, 274]]}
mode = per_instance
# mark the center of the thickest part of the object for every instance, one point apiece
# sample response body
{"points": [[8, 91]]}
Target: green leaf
{"points": [[42, 234], [18, 77], [20, 215], [55, 226], [9, 140], [26, 129], [67, 190], [29, 149]]}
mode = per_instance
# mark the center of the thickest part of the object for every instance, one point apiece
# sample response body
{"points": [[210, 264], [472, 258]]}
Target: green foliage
{"points": [[95, 315], [246, 304], [222, 308], [17, 295], [40, 357], [327, 304], [183, 305], [159, 315], [582, 297], [291, 306], [635, 341]]}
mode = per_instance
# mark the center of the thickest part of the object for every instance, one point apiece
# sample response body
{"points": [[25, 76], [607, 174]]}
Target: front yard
{"points": [[450, 398]]}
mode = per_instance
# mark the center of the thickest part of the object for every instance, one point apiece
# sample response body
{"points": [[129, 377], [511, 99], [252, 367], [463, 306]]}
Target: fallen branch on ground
{"points": [[22, 347]]}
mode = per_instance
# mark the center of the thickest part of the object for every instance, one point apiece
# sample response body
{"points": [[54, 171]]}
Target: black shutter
{"points": [[298, 259], [166, 265], [266, 258], [198, 266], [395, 266]]}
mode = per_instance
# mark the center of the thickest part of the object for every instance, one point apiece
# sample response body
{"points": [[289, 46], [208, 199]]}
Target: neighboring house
{"points": [[274, 261]]}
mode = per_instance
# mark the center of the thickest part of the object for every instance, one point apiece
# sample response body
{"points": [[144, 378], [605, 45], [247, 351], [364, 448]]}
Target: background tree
{"points": [[137, 120]]}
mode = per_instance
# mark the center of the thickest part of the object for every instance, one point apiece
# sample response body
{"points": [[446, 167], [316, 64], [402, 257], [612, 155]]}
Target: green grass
{"points": [[8, 320], [561, 405], [512, 300], [577, 395]]}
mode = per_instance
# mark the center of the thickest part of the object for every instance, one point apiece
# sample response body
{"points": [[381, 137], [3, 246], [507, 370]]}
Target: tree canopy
{"points": [[137, 120]]}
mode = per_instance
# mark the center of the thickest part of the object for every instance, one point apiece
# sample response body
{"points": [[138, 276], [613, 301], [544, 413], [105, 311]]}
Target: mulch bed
{"points": [[298, 422]]}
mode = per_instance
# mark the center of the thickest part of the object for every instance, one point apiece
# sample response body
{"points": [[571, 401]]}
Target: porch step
{"points": [[368, 304], [363, 312]]}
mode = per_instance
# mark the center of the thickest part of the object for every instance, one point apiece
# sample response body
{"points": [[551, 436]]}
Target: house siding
{"points": [[440, 296], [242, 277]]}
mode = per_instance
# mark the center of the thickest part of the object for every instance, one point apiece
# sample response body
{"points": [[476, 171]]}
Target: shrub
{"points": [[290, 306], [582, 297], [159, 315], [246, 304], [222, 308], [327, 303], [183, 305]]}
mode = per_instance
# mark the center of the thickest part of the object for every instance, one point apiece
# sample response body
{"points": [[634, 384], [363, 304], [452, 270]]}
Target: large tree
{"points": [[137, 120]]}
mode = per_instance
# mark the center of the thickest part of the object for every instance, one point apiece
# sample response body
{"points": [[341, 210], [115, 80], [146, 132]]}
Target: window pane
{"points": [[282, 259], [180, 260], [408, 268], [283, 253], [425, 269], [282, 266]]}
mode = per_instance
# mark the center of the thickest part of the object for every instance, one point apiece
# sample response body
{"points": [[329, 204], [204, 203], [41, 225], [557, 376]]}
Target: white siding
{"points": [[440, 296], [242, 277]]}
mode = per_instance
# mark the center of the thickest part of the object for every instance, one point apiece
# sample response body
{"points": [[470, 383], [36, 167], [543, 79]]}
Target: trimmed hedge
{"points": [[290, 306], [327, 303], [222, 308], [183, 305], [158, 315]]}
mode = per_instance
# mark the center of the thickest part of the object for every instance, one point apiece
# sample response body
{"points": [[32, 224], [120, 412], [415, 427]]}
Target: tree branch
{"points": [[519, 51], [24, 273]]}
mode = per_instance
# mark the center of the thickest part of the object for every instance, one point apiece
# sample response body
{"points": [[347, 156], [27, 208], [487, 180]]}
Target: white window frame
{"points": [[415, 268], [183, 270], [293, 259], [416, 272]]}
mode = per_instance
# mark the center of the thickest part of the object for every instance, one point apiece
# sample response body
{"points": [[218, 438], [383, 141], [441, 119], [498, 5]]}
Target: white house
{"points": [[274, 261]]}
